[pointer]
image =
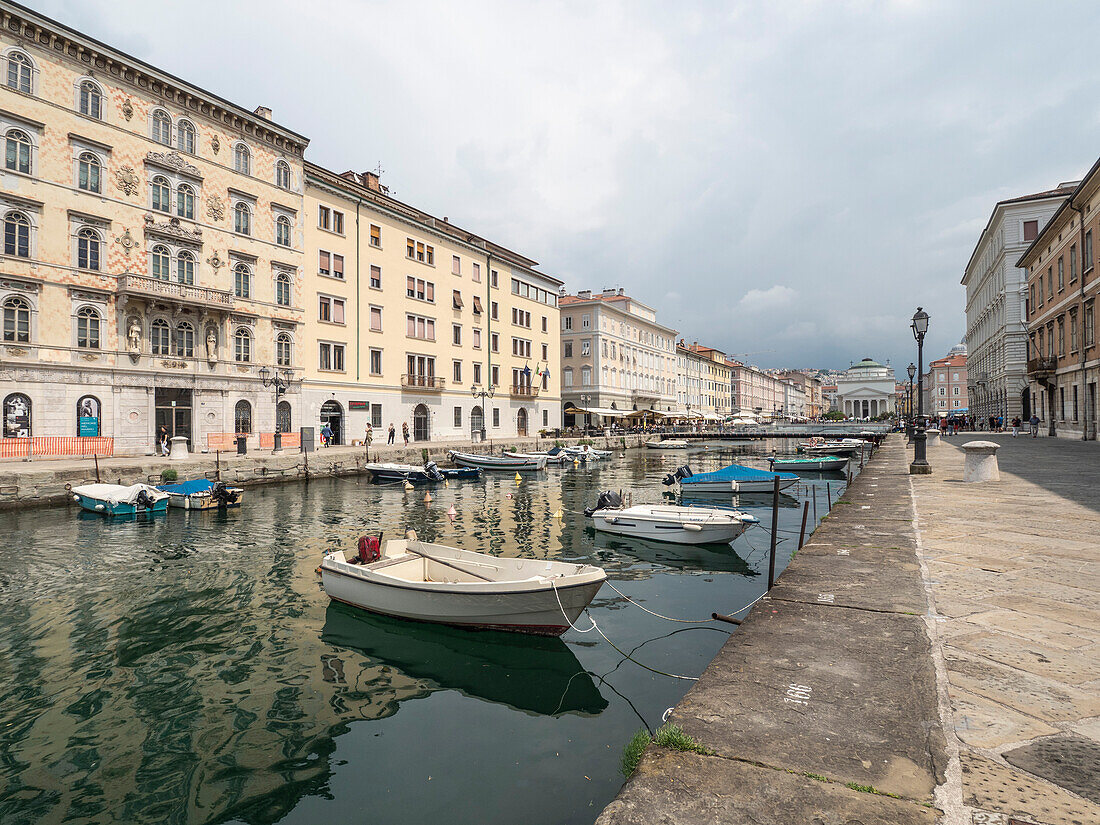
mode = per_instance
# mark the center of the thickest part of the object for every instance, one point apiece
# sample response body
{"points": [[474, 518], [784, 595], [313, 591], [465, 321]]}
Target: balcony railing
{"points": [[1041, 366], [424, 383], [173, 290], [653, 394], [524, 391]]}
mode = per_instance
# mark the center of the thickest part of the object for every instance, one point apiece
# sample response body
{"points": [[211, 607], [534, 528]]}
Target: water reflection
{"points": [[535, 675], [710, 558]]}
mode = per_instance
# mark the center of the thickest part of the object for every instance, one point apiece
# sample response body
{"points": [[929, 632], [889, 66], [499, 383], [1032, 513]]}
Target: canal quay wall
{"points": [[823, 706], [45, 482]]}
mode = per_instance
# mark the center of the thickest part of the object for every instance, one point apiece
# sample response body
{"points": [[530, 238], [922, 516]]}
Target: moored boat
{"points": [[391, 472], [667, 444], [587, 451], [117, 500], [735, 478], [498, 462], [554, 456], [202, 494], [412, 579], [844, 446], [814, 464], [668, 522]]}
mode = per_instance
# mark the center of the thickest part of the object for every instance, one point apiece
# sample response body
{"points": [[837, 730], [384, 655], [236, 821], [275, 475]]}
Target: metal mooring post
{"points": [[775, 530], [802, 534]]}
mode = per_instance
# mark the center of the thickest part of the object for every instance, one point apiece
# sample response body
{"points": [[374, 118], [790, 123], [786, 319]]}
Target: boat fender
{"points": [[370, 549], [695, 528], [76, 498]]}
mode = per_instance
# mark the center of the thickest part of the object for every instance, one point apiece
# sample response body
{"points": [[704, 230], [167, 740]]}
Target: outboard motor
{"points": [[143, 500], [431, 470], [370, 549], [608, 500], [223, 495], [681, 472]]}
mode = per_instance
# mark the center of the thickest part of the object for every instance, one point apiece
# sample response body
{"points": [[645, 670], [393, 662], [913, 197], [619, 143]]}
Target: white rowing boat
{"points": [[560, 458], [412, 579], [668, 522], [498, 462], [668, 444]]}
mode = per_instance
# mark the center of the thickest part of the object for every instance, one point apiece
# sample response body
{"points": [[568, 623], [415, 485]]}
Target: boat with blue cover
{"points": [[202, 494], [116, 500], [735, 478]]}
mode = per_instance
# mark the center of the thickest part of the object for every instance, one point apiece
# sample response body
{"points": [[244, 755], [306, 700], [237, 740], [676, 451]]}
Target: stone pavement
{"points": [[1013, 569]]}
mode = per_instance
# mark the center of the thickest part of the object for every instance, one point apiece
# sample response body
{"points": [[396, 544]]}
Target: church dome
{"points": [[958, 349], [865, 364]]}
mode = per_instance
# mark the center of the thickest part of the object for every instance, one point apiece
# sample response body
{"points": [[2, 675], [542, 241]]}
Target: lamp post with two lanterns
{"points": [[483, 394], [280, 380], [920, 465]]}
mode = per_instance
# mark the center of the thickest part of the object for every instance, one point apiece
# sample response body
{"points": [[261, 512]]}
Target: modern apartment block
{"points": [[1063, 365], [996, 304], [616, 358], [412, 319], [152, 250]]}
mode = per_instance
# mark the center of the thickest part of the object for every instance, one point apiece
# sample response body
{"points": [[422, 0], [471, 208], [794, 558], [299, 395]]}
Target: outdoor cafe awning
{"points": [[606, 411]]}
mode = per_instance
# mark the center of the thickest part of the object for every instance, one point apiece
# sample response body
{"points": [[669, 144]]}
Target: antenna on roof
{"points": [[378, 170]]}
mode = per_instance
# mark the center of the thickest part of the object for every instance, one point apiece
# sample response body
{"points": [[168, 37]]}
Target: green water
{"points": [[189, 668]]}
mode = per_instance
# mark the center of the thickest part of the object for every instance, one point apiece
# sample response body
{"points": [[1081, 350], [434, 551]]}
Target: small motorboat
{"points": [[735, 478], [587, 451], [116, 500], [667, 444], [555, 456], [811, 464], [412, 579], [498, 462], [202, 494], [389, 473], [668, 522], [819, 446]]}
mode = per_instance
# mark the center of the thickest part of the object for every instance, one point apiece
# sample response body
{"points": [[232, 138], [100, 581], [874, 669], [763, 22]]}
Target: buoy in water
{"points": [[558, 515], [507, 495], [408, 485], [451, 511], [517, 478], [575, 462], [427, 497]]}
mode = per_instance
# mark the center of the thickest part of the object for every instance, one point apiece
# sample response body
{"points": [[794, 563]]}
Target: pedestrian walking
{"points": [[1034, 422], [1015, 426], [389, 439], [405, 432], [164, 441], [992, 423], [368, 436], [326, 435], [1000, 423]]}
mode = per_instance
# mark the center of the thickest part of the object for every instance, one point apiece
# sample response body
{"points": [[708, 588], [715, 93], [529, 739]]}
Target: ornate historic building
{"points": [[152, 249], [866, 390]]}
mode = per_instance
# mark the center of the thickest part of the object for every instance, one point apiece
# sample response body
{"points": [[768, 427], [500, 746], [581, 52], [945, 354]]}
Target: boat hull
{"points": [[119, 508], [201, 501], [486, 462], [810, 465], [667, 445], [623, 525]]}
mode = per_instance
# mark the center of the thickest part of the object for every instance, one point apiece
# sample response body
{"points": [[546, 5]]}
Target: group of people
{"points": [[327, 434], [953, 425]]}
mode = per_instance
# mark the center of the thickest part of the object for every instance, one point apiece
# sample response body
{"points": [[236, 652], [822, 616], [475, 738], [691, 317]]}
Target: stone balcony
{"points": [[173, 291], [524, 391], [1041, 367], [422, 383]]}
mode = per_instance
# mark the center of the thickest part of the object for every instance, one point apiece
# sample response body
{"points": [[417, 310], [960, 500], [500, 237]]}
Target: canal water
{"points": [[190, 669]]}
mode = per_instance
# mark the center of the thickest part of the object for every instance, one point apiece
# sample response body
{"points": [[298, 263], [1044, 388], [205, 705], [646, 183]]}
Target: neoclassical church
{"points": [[866, 390]]}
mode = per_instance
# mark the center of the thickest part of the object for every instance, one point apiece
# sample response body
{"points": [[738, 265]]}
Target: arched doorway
{"points": [[421, 423], [477, 421], [521, 422], [333, 415], [282, 417], [17, 416]]}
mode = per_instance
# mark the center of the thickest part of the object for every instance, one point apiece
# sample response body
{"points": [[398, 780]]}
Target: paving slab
{"points": [[887, 580], [848, 694], [990, 786], [983, 723], [1071, 761], [690, 789], [1035, 657]]}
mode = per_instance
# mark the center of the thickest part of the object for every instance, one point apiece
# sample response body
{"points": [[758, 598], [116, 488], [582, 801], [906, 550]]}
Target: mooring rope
{"points": [[658, 615]]}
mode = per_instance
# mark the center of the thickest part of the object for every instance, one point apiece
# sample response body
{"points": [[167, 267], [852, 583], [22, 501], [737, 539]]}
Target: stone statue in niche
{"points": [[133, 336], [211, 344]]}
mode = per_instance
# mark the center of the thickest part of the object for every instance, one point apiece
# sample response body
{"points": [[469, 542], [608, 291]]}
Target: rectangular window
{"points": [[545, 413], [324, 263], [476, 276], [1086, 254], [375, 319], [493, 278], [417, 326], [331, 309], [477, 338], [376, 363], [458, 418], [456, 334], [456, 265], [521, 318], [494, 342], [494, 311], [1050, 282], [1030, 299], [1061, 274], [337, 266], [496, 416], [567, 323], [567, 377], [586, 347], [419, 289], [324, 217], [376, 415], [494, 373], [586, 321], [456, 370], [338, 222], [477, 305], [418, 251], [1090, 325], [544, 323], [1073, 263], [521, 348], [331, 357], [1074, 402], [375, 277], [1062, 336], [1040, 289], [545, 352], [1031, 230], [477, 374], [1062, 402], [375, 235], [456, 299], [567, 349], [1073, 331]]}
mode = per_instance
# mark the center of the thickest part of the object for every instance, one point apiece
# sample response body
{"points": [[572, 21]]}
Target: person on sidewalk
{"points": [[392, 433], [405, 432], [1000, 423], [1034, 422], [1016, 426], [326, 435], [368, 437], [164, 441]]}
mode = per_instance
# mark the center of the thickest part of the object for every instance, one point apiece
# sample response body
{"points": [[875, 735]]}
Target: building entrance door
{"points": [[173, 412], [521, 422], [333, 415], [421, 419]]}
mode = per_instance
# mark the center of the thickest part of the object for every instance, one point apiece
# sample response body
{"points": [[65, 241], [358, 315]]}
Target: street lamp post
{"points": [[483, 394], [912, 370], [280, 380], [920, 465], [586, 399]]}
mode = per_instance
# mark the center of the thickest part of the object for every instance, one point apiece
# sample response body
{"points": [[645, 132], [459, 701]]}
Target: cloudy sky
{"points": [[787, 180]]}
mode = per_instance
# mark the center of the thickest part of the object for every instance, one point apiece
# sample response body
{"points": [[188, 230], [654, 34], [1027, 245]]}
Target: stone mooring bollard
{"points": [[981, 461], [931, 438]]}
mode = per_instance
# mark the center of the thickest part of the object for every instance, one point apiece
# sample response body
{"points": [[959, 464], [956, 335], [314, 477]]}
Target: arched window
{"points": [[185, 201], [91, 100], [17, 416], [242, 418], [17, 235], [185, 340], [17, 151], [242, 159], [282, 417], [282, 230], [88, 245], [20, 72], [162, 194], [282, 350], [160, 337], [88, 172], [162, 127], [87, 417], [242, 218], [17, 320], [242, 346], [161, 263], [185, 268], [242, 281], [282, 289], [282, 174], [87, 328], [185, 136]]}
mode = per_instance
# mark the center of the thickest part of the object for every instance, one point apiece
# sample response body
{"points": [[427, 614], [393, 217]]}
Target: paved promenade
{"points": [[929, 656]]}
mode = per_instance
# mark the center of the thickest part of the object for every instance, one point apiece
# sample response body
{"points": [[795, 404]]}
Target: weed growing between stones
{"points": [[667, 736], [632, 753]]}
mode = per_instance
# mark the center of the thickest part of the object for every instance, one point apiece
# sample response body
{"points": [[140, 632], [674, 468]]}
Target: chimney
{"points": [[620, 290], [263, 112], [446, 219], [369, 180], [585, 294]]}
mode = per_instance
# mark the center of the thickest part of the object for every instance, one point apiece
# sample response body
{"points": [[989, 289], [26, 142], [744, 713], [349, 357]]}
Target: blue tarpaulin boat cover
{"points": [[198, 485], [736, 472]]}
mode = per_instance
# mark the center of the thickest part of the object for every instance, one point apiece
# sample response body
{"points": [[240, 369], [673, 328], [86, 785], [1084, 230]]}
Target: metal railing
{"points": [[428, 383], [524, 391], [1038, 366]]}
